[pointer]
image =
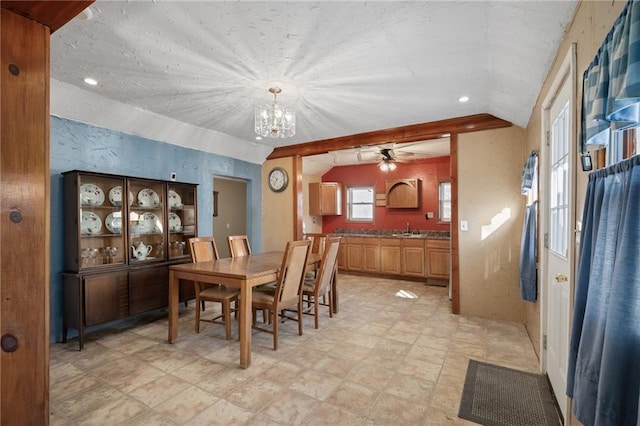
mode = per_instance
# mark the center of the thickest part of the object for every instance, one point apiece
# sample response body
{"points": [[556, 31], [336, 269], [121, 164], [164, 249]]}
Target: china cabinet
{"points": [[121, 234]]}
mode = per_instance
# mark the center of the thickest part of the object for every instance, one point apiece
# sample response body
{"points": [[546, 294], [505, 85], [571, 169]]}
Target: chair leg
{"points": [[275, 322], [330, 304], [300, 317], [202, 302], [315, 311], [198, 314], [226, 312]]}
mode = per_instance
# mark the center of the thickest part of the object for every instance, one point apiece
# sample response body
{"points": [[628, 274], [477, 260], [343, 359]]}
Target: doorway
{"points": [[558, 218], [229, 210]]}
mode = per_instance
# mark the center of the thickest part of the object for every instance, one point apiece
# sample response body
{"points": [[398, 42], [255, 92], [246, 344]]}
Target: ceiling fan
{"points": [[385, 155]]}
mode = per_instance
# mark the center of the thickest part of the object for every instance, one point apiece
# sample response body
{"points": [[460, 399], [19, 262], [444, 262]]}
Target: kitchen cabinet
{"points": [[390, 256], [406, 257], [342, 255], [402, 193], [121, 235], [325, 198], [363, 254], [438, 259], [413, 258]]}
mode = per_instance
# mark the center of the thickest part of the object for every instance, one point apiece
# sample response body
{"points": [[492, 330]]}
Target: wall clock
{"points": [[278, 179]]}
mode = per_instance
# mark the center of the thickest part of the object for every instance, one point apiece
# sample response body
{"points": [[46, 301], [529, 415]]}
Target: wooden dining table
{"points": [[244, 273]]}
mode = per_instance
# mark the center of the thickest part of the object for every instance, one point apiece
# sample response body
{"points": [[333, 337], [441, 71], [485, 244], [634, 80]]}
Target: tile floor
{"points": [[393, 355]]}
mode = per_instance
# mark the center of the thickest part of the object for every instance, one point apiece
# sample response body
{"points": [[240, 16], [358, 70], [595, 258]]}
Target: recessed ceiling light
{"points": [[258, 138], [91, 81], [463, 99]]}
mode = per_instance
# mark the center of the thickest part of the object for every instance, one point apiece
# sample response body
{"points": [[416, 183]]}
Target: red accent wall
{"points": [[430, 171]]}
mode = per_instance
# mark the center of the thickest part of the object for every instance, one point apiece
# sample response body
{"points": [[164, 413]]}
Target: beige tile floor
{"points": [[394, 355]]}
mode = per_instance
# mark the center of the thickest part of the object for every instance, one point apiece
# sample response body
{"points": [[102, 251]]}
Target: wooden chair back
{"points": [[291, 274], [318, 242], [203, 249], [238, 245], [327, 266]]}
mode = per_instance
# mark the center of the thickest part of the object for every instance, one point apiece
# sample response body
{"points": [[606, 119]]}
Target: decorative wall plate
{"points": [[91, 223], [91, 195], [175, 223], [174, 200], [113, 222], [148, 198], [115, 196], [149, 223]]}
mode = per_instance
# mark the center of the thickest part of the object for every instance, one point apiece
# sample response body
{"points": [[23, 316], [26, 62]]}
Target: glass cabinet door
{"points": [[146, 225], [182, 218], [100, 220]]}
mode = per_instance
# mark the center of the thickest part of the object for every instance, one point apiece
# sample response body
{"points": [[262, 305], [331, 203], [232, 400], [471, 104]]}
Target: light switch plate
{"points": [[464, 225]]}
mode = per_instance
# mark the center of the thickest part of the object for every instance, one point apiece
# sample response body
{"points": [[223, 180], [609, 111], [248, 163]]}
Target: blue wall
{"points": [[78, 146]]}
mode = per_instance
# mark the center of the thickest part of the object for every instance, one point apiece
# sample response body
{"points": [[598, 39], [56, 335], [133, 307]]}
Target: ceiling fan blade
{"points": [[403, 154]]}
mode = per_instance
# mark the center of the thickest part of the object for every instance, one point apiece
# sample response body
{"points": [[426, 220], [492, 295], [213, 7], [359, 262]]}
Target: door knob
{"points": [[561, 278]]}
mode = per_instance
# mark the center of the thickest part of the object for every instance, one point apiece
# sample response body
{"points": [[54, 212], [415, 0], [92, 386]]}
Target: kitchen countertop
{"points": [[390, 233]]}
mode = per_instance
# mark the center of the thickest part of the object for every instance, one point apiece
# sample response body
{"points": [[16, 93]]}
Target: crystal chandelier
{"points": [[275, 121]]}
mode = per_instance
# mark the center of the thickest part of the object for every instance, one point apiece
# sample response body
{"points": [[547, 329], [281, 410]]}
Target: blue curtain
{"points": [[611, 84], [528, 279], [603, 376], [528, 270]]}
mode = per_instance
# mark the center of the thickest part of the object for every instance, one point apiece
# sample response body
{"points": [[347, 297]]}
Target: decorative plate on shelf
{"points": [[148, 198], [91, 195], [149, 223], [113, 222], [175, 224], [91, 223], [115, 196], [175, 202]]}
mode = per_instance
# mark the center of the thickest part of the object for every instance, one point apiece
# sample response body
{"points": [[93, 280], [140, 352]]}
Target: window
{"points": [[444, 202], [622, 145], [360, 202]]}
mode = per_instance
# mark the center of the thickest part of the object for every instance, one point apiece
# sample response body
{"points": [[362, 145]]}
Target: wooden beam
{"points": [[399, 135], [52, 14]]}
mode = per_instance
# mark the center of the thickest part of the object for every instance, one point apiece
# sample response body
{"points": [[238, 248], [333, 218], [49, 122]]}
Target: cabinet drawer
{"points": [[148, 289], [441, 244], [105, 297]]}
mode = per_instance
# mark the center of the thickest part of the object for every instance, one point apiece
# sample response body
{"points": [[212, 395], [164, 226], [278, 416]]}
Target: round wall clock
{"points": [[278, 179]]}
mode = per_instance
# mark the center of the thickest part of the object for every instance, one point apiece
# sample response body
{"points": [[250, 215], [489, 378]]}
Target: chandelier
{"points": [[275, 121]]}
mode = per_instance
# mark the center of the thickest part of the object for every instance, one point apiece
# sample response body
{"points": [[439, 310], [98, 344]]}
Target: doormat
{"points": [[500, 396]]}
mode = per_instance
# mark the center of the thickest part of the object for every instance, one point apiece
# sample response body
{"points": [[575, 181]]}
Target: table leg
{"points": [[174, 287], [245, 325]]}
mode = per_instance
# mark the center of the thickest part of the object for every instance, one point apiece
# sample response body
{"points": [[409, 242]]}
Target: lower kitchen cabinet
{"points": [[390, 256], [410, 257], [438, 259], [363, 254], [414, 263]]}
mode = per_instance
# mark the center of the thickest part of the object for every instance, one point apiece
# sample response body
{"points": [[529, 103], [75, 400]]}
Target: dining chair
{"points": [[238, 245], [318, 242], [204, 249], [320, 286], [288, 291]]}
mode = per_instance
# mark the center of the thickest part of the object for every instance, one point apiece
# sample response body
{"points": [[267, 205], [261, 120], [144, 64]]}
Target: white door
{"points": [[559, 237]]}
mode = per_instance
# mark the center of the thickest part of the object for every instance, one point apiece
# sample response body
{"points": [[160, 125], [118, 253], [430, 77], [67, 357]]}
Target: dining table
{"points": [[244, 273]]}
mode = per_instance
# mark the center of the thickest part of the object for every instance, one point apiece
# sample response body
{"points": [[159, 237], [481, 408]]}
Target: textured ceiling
{"points": [[345, 67]]}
